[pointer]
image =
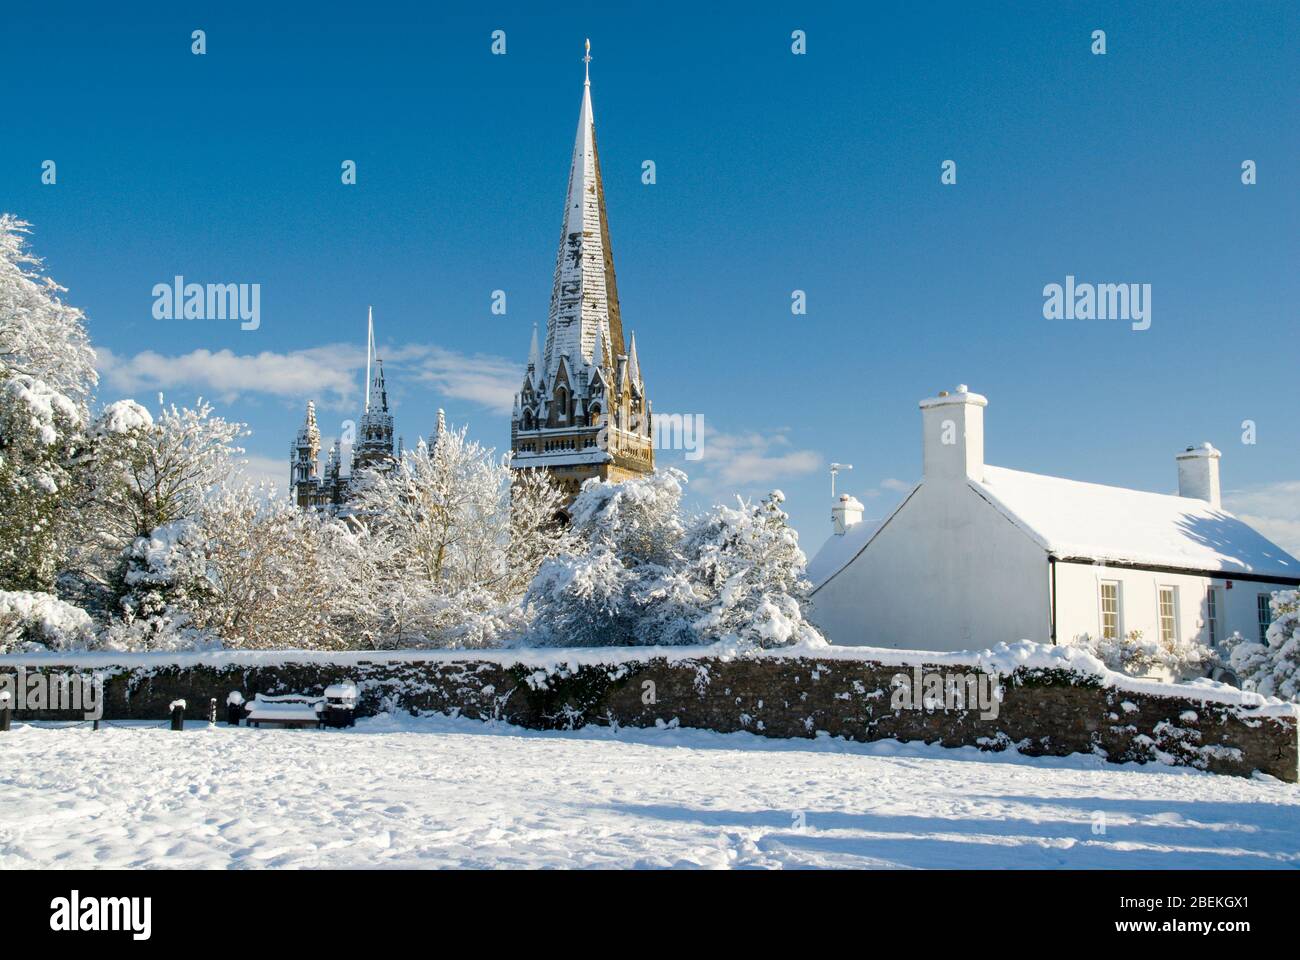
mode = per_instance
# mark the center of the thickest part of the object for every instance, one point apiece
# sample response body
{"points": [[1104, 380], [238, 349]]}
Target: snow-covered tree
{"points": [[157, 470], [639, 519], [39, 621], [139, 473], [583, 600], [276, 576], [1139, 656], [164, 578], [38, 433], [747, 566], [642, 573], [1273, 667], [46, 378], [40, 336], [450, 544], [616, 585]]}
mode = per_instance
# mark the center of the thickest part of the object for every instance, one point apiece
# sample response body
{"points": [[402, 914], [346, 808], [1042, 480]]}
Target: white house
{"points": [[976, 554]]}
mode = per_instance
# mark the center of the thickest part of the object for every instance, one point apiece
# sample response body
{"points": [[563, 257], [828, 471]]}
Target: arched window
{"points": [[595, 415]]}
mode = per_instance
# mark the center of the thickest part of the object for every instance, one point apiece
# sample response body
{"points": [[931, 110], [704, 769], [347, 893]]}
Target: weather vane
{"points": [[587, 60]]}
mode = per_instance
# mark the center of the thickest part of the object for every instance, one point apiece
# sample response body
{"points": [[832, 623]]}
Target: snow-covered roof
{"points": [[1073, 519]]}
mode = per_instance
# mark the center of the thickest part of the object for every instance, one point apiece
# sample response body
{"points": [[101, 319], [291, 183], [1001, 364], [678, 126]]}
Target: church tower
{"points": [[582, 410], [332, 489], [303, 458]]}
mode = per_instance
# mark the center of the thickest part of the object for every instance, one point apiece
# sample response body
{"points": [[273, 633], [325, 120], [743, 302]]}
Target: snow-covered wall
{"points": [[1041, 700]]}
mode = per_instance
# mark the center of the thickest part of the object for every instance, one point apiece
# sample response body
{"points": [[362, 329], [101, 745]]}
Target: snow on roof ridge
{"points": [[1104, 522], [1104, 486]]}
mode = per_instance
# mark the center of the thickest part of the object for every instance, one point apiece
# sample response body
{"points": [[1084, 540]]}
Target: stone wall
{"points": [[1040, 712]]}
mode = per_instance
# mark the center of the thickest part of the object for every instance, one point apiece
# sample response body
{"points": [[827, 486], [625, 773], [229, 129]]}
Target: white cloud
{"points": [[749, 462], [1273, 509], [267, 470], [888, 485], [331, 374], [326, 373], [488, 381]]}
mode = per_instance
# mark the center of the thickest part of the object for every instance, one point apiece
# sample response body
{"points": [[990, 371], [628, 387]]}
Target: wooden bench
{"points": [[288, 710]]}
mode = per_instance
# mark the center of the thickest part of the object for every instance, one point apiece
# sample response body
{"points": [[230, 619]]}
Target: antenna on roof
{"points": [[835, 469]]}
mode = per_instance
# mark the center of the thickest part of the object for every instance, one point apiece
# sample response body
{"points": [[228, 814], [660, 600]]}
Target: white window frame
{"points": [[1263, 614], [1101, 608], [1213, 615], [1160, 614]]}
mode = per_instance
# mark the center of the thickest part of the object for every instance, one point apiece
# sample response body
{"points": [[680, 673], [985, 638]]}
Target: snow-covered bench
{"points": [[288, 710]]}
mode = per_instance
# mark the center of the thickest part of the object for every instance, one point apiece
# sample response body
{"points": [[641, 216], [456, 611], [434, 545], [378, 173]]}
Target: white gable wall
{"points": [[946, 572]]}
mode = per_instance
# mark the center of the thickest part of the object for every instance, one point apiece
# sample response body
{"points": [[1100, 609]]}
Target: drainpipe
{"points": [[1051, 565]]}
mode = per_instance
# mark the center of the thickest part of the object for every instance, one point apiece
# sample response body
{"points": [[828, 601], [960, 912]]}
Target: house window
{"points": [[1265, 616], [1110, 609], [1212, 615], [1168, 615]]}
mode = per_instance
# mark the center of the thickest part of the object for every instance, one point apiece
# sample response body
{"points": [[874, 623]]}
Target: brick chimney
{"points": [[952, 442], [1198, 474]]}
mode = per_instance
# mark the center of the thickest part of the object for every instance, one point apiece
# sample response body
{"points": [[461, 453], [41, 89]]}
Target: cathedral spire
{"points": [[370, 350], [575, 416], [375, 434], [376, 391], [584, 294], [534, 353], [633, 367]]}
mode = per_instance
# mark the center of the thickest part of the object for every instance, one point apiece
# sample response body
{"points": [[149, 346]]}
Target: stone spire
{"points": [[584, 295], [633, 368], [370, 350], [309, 432], [534, 353], [577, 415], [375, 432]]}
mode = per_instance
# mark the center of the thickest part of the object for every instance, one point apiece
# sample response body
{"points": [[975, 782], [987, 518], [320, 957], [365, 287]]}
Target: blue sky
{"points": [[775, 172]]}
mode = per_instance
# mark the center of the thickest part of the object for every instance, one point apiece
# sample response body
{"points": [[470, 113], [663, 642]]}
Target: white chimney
{"points": [[1198, 473], [952, 442], [845, 514]]}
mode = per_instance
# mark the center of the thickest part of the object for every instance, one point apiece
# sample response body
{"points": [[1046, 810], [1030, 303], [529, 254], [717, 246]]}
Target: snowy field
{"points": [[437, 792]]}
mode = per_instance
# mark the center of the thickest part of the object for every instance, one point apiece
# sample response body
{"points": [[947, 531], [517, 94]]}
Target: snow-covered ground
{"points": [[437, 792]]}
